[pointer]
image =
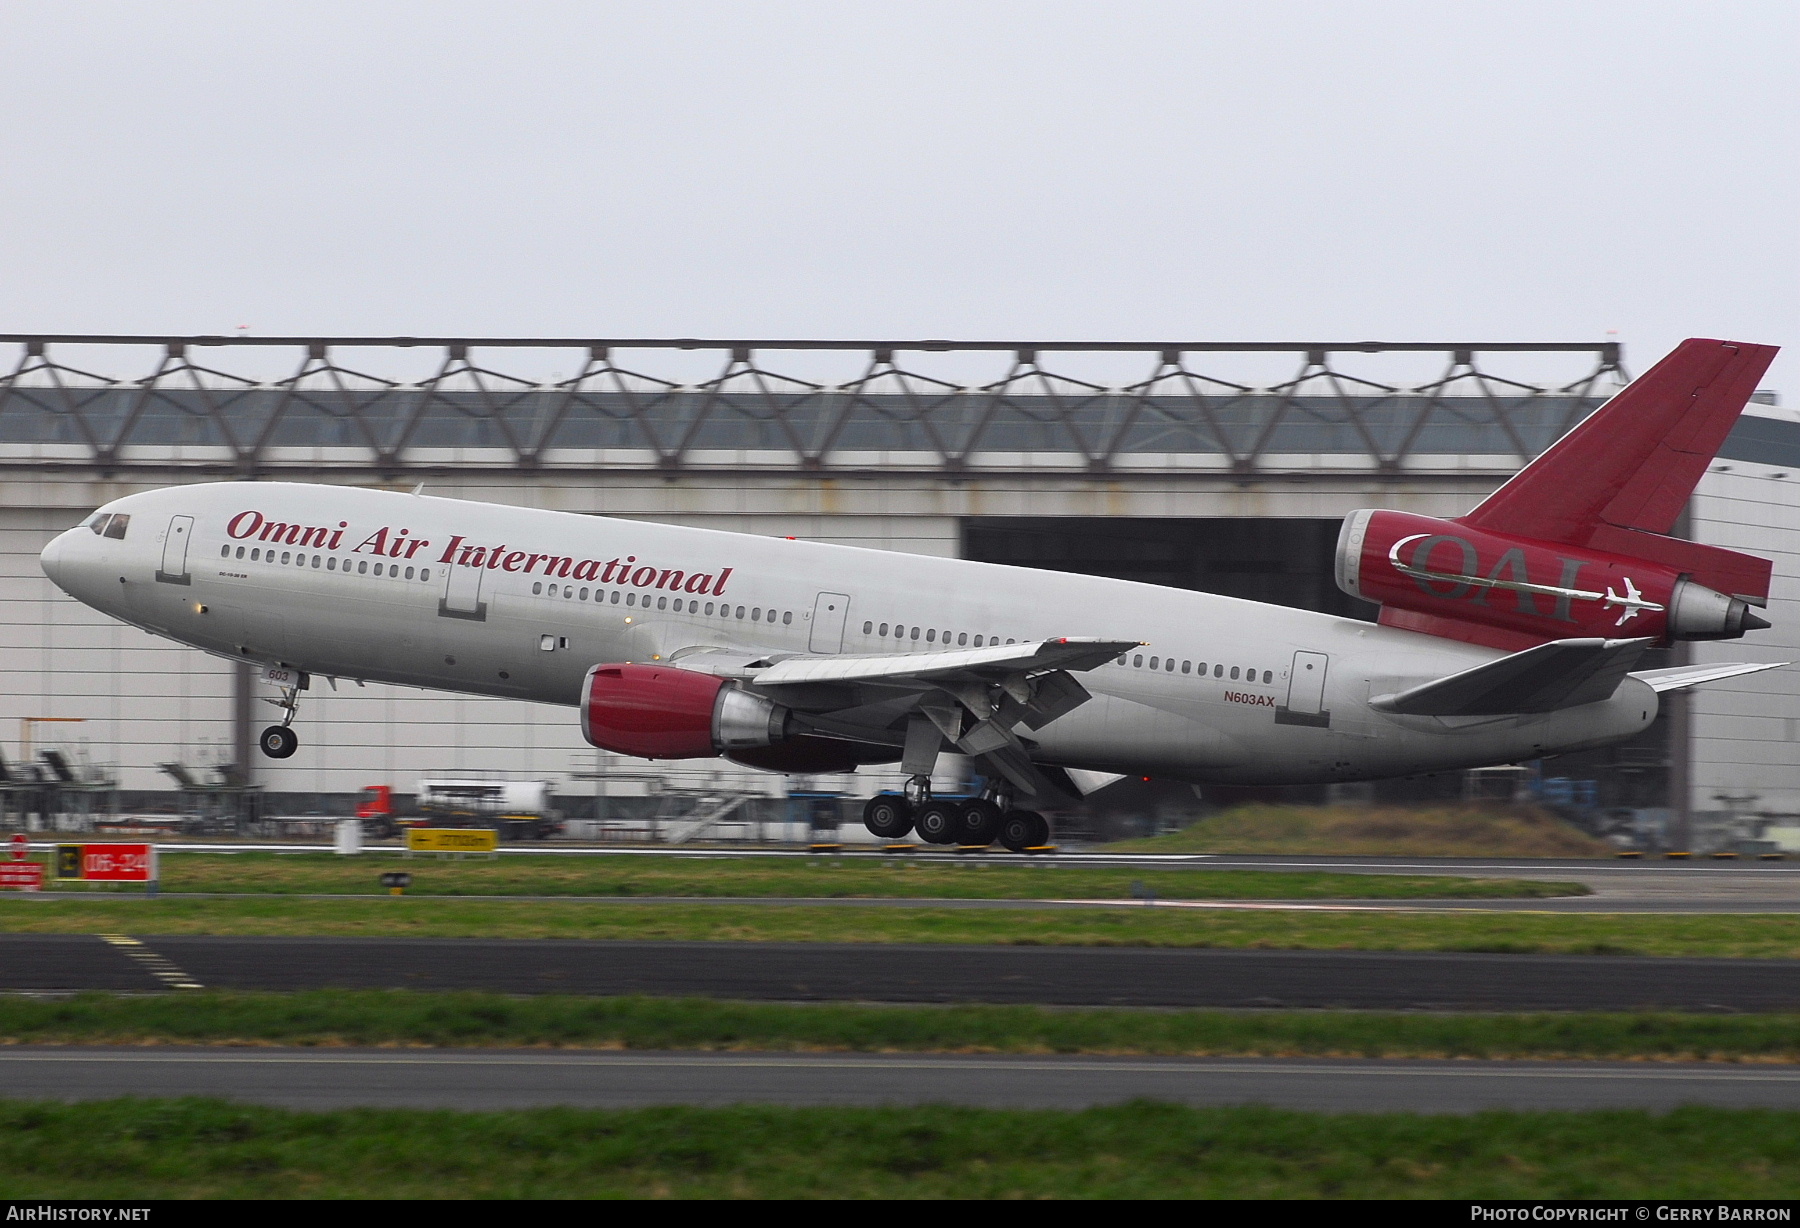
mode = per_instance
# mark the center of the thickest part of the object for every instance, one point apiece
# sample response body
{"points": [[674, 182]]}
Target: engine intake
{"points": [[660, 712]]}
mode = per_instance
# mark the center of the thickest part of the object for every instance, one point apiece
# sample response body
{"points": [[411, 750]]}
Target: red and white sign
{"points": [[21, 876], [21, 846], [118, 863]]}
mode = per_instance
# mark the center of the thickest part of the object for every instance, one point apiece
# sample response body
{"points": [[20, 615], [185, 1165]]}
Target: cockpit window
{"points": [[98, 522], [116, 526]]}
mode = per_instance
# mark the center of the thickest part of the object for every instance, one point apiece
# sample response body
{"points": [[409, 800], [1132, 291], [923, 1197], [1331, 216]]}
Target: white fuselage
{"points": [[516, 602]]}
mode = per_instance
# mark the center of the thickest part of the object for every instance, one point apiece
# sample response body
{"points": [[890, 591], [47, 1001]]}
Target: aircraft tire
{"points": [[938, 822], [279, 742], [1040, 829], [1017, 829], [888, 816], [980, 822]]}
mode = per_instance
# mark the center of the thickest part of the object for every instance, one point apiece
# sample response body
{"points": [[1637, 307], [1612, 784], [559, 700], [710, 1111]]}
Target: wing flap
{"points": [[994, 661], [1550, 677]]}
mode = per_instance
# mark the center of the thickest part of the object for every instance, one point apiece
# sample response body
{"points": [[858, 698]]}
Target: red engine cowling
{"points": [[660, 712], [1511, 592]]}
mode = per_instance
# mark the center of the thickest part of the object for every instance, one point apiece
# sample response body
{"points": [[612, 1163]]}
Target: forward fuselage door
{"points": [[1306, 692], [829, 612], [174, 569]]}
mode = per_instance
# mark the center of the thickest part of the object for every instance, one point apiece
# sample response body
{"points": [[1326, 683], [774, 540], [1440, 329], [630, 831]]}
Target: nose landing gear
{"points": [[279, 741]]}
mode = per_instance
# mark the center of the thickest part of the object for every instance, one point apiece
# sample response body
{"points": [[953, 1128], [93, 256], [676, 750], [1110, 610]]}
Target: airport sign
{"points": [[452, 840], [21, 876]]}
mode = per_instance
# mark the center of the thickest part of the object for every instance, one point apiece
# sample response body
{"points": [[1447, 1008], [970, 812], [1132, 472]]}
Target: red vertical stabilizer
{"points": [[1619, 480]]}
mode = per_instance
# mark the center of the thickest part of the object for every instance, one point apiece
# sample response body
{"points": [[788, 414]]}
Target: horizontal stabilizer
{"points": [[1680, 677], [1550, 677]]}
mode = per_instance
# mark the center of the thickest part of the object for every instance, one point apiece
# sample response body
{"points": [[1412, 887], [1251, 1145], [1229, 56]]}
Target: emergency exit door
{"points": [[1306, 692], [829, 613]]}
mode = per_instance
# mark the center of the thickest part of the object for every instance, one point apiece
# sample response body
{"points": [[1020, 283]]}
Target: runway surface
{"points": [[507, 1079], [1117, 976]]}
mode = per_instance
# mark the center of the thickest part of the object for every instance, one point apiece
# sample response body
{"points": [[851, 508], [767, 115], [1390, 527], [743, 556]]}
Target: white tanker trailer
{"points": [[517, 809]]}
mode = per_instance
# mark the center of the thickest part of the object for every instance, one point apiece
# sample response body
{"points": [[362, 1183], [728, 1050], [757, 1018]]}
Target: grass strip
{"points": [[1765, 936], [401, 1017], [1380, 831], [212, 1149], [834, 877]]}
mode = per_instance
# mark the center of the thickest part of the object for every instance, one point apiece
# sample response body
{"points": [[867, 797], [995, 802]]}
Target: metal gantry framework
{"points": [[173, 399]]}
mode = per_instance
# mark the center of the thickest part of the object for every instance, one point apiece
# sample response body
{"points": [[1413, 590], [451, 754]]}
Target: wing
{"points": [[972, 700]]}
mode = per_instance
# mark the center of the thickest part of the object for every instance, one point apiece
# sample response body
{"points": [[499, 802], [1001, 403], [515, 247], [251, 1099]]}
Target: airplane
{"points": [[1493, 643]]}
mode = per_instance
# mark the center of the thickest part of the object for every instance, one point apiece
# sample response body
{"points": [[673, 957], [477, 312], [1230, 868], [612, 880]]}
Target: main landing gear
{"points": [[970, 822], [279, 741]]}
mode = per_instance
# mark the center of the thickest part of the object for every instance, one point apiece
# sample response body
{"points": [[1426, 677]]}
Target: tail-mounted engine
{"points": [[1449, 578]]}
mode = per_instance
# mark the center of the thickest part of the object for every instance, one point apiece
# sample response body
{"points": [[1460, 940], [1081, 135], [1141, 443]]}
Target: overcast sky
{"points": [[1195, 171]]}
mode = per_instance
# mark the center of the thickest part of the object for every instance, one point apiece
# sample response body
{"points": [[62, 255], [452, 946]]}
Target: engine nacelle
{"points": [[660, 712], [1523, 587]]}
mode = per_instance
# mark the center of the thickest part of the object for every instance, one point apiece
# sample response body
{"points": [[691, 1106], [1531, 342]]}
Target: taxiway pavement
{"points": [[511, 1079]]}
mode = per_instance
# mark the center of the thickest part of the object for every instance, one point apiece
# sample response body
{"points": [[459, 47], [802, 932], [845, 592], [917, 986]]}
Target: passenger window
{"points": [[883, 631], [362, 568], [868, 628], [1154, 663], [240, 552], [787, 619], [284, 558], [424, 573], [315, 564], [409, 571], [740, 611], [584, 594], [330, 563], [1218, 671], [931, 636], [537, 590], [1169, 666], [224, 551], [662, 603], [615, 597], [755, 614], [1268, 675], [1138, 661], [1187, 666], [378, 569], [1234, 673], [915, 633], [962, 638]]}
